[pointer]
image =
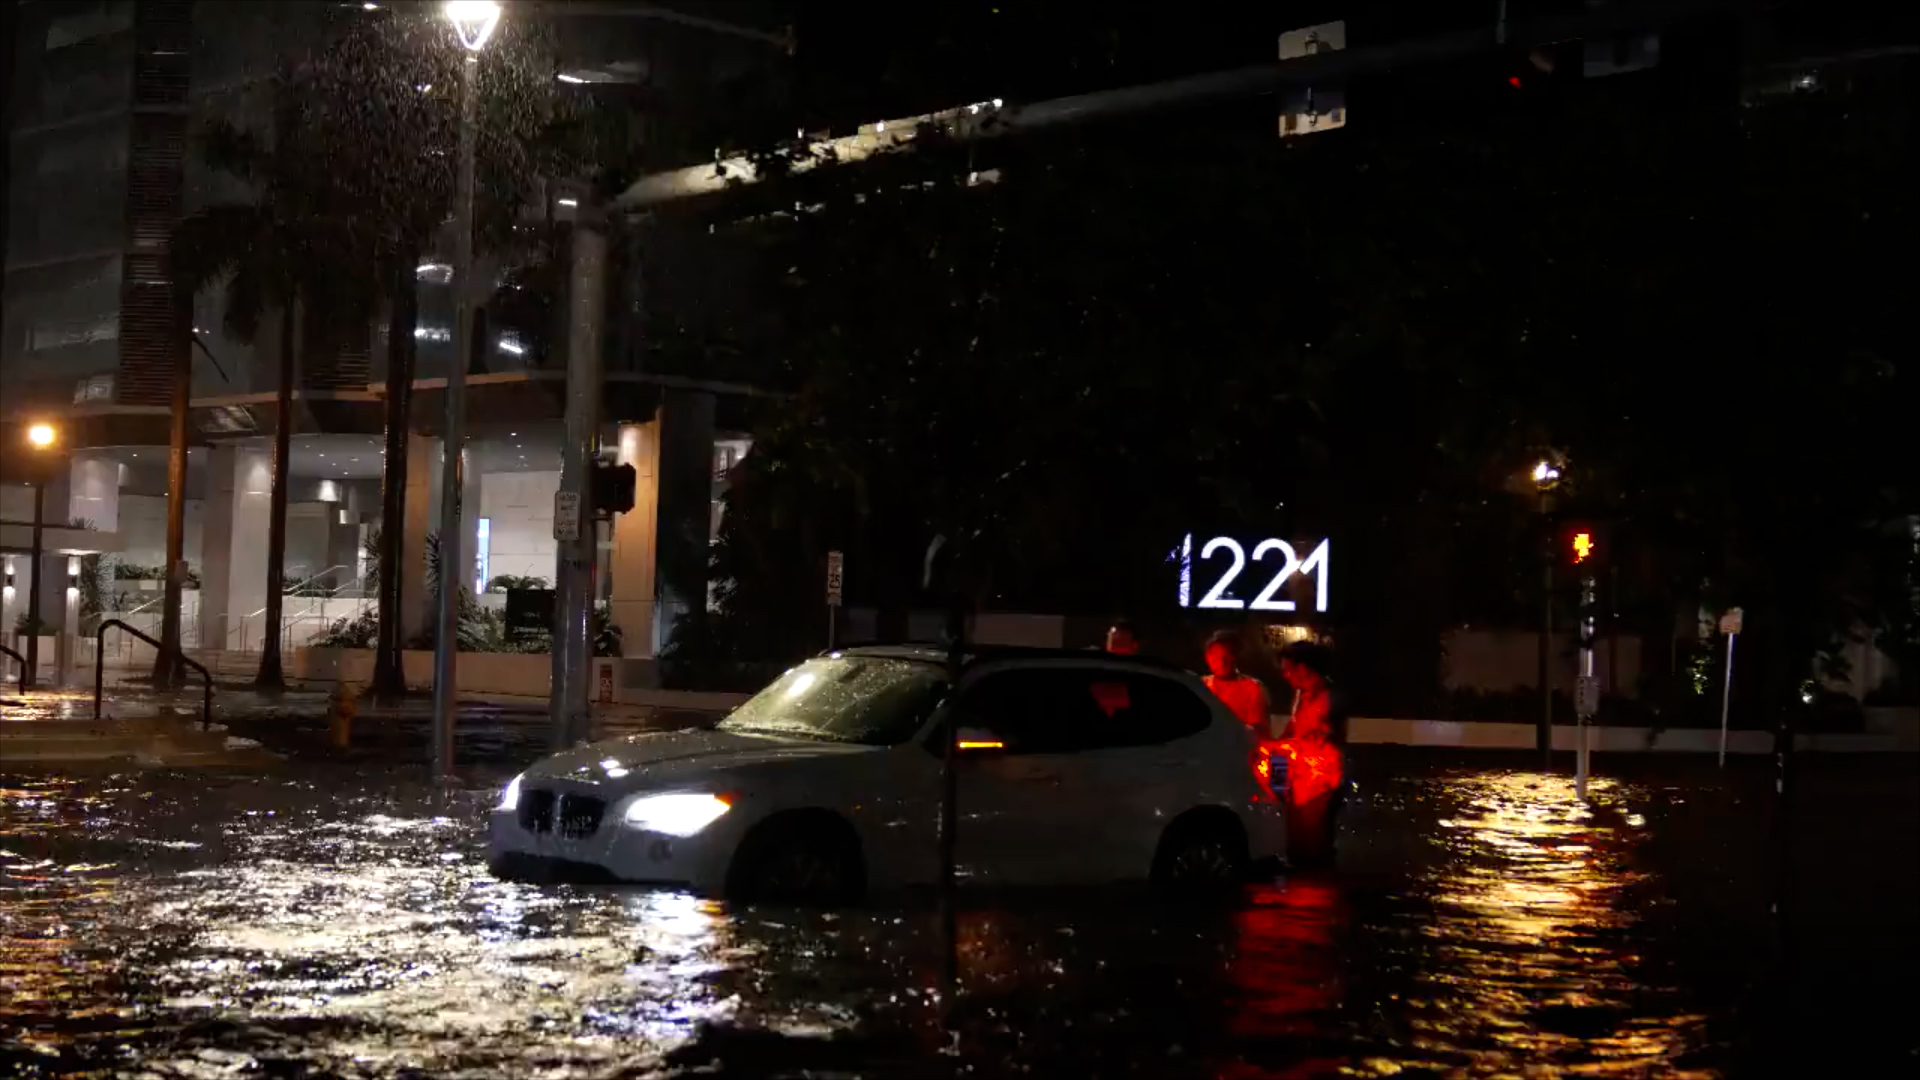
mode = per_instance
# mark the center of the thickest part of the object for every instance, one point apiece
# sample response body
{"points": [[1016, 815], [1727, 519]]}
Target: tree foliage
{"points": [[354, 175], [1168, 322]]}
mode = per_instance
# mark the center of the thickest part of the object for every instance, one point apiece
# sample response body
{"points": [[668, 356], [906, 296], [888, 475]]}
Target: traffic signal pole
{"points": [[1543, 731], [1586, 698], [574, 514]]}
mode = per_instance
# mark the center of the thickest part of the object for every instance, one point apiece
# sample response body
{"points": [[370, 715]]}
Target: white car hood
{"points": [[658, 760]]}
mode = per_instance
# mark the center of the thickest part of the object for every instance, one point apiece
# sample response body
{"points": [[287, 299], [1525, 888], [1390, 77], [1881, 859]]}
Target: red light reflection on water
{"points": [[1284, 982]]}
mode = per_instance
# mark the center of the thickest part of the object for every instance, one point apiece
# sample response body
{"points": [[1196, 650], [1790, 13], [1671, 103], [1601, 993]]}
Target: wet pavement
{"points": [[336, 919]]}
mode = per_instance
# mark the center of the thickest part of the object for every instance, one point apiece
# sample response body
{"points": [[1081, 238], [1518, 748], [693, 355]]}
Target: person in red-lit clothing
{"points": [[1242, 693], [1314, 745]]}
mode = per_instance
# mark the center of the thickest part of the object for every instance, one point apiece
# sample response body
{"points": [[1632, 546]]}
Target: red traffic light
{"points": [[1582, 544]]}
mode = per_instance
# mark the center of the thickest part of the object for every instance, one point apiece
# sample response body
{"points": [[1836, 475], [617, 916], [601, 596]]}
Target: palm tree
{"points": [[348, 196], [265, 255]]}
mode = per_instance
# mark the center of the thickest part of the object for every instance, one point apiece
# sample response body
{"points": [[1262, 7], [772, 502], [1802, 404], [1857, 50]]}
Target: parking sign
{"points": [[835, 564]]}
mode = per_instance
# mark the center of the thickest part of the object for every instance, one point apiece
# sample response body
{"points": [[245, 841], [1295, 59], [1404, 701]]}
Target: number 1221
{"points": [[1315, 563]]}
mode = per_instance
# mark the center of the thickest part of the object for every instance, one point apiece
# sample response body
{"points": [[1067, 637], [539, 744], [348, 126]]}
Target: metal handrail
{"points": [[21, 660], [240, 631], [315, 610], [100, 669], [313, 577], [286, 634], [147, 605]]}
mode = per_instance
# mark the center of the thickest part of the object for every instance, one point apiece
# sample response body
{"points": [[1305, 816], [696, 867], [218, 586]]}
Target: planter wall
{"points": [[517, 674]]}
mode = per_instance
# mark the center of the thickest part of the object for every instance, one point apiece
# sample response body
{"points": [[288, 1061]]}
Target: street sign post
{"points": [[1587, 697], [1730, 624], [836, 568], [566, 515]]}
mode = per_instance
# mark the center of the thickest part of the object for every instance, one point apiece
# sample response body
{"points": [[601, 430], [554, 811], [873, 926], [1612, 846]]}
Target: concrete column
{"points": [[233, 546], [66, 647], [93, 482], [630, 576], [658, 568], [343, 538], [53, 573], [346, 543], [468, 556], [13, 594], [423, 507], [94, 491], [684, 520]]}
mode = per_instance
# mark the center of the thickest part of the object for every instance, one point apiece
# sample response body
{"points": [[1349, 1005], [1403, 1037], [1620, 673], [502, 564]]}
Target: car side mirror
{"points": [[971, 740]]}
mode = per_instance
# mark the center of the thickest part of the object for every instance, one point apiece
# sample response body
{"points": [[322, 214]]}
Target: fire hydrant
{"points": [[341, 706]]}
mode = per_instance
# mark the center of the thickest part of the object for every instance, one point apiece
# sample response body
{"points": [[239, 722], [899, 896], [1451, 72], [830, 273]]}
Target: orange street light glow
{"points": [[40, 434], [982, 744]]}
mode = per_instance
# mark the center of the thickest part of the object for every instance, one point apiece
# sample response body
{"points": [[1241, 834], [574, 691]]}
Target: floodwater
{"points": [[321, 920]]}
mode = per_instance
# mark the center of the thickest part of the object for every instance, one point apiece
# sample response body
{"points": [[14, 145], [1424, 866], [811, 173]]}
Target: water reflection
{"points": [[345, 925], [1530, 963]]}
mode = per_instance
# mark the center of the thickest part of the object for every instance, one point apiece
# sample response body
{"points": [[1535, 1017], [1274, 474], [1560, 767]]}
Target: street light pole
{"points": [[29, 676], [41, 437], [475, 23], [570, 711]]}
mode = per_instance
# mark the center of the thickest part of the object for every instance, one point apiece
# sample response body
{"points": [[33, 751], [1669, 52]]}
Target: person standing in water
{"points": [[1315, 748], [1242, 693]]}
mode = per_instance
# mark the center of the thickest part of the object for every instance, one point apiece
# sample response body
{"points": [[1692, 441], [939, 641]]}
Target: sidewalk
{"points": [[143, 726], [56, 727]]}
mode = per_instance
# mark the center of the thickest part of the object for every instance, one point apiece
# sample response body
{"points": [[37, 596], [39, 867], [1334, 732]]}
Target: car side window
{"points": [[1061, 710], [1159, 710]]}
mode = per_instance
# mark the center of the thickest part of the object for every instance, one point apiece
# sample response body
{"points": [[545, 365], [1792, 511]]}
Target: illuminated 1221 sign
{"points": [[1227, 557]]}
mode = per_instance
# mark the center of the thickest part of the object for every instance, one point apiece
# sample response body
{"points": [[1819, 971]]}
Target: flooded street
{"points": [[335, 920]]}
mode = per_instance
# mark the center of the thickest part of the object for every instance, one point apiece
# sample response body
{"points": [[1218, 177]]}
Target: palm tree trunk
{"points": [[166, 662], [388, 678], [270, 677]]}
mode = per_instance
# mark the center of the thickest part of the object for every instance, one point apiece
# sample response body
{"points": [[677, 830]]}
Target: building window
{"points": [[93, 20], [97, 388], [57, 335]]}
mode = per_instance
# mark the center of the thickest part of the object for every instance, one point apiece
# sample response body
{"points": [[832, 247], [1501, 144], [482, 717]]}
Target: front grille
{"points": [[536, 811], [578, 815]]}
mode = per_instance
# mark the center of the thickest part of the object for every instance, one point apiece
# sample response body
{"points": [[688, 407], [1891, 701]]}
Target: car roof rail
{"points": [[977, 654]]}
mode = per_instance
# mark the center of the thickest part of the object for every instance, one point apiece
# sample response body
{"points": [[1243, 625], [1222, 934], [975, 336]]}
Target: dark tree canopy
{"points": [[1164, 320]]}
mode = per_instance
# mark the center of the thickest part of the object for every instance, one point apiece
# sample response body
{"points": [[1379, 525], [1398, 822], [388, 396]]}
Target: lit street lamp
{"points": [[41, 437], [474, 21]]}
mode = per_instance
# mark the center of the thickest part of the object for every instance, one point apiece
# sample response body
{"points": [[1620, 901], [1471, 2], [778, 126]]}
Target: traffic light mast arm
{"points": [[1321, 68]]}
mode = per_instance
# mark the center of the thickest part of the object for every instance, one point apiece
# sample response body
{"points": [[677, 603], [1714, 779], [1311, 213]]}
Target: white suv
{"points": [[1072, 767]]}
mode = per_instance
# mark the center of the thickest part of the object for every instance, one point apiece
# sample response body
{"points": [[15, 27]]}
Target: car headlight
{"points": [[510, 798], [676, 815]]}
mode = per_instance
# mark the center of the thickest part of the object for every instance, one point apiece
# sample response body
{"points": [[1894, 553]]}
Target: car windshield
{"points": [[875, 700]]}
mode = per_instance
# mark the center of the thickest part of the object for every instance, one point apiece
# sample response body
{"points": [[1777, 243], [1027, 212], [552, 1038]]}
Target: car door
{"points": [[1085, 764], [1140, 765], [1025, 807]]}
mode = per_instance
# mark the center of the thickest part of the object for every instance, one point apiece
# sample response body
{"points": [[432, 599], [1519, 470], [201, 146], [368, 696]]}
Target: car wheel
{"points": [[1200, 854], [804, 861]]}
